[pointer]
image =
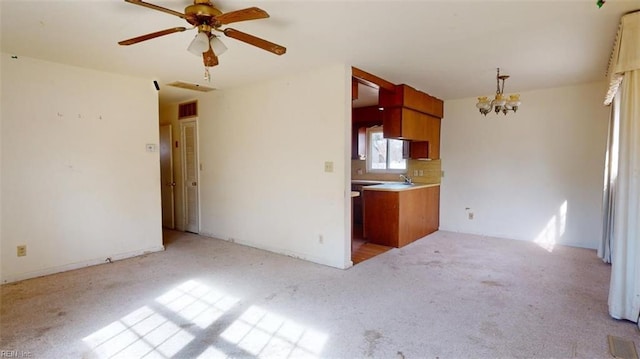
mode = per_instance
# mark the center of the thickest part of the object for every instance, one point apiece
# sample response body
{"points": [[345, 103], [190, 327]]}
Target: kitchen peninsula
{"points": [[398, 214]]}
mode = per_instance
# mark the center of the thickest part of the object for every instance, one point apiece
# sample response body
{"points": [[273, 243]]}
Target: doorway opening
{"points": [[179, 169]]}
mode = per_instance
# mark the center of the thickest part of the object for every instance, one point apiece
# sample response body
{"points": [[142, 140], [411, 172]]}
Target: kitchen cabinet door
{"points": [[405, 124], [397, 218], [428, 149]]}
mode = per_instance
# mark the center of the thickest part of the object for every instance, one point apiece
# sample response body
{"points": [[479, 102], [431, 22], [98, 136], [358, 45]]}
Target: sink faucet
{"points": [[406, 179]]}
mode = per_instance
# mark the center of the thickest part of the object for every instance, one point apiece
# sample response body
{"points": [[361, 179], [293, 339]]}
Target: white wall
{"points": [[535, 175], [262, 149], [77, 183], [1, 61]]}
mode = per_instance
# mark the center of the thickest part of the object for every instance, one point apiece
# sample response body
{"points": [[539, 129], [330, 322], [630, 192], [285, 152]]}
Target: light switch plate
{"points": [[328, 166], [151, 147]]}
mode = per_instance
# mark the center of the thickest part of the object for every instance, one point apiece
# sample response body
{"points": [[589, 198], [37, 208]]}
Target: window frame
{"points": [[369, 169]]}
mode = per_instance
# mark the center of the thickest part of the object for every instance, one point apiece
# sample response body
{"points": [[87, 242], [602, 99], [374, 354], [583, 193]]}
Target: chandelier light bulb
{"points": [[499, 100], [514, 100]]}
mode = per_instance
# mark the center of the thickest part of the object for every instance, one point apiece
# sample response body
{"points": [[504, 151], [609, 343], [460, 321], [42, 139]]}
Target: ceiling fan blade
{"points": [[209, 58], [152, 35], [252, 13], [255, 41], [156, 7]]}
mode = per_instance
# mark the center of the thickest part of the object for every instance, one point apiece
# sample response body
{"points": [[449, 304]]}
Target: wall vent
{"points": [[188, 86], [188, 109]]}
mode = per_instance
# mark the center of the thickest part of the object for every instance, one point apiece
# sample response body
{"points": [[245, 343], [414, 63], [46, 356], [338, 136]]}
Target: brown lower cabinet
{"points": [[397, 218]]}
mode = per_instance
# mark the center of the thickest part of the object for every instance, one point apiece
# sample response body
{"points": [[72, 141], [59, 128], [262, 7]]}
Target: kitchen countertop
{"points": [[369, 182], [398, 186]]}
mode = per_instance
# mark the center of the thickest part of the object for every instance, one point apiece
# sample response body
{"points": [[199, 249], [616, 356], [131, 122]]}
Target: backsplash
{"points": [[425, 171], [431, 172], [359, 172]]}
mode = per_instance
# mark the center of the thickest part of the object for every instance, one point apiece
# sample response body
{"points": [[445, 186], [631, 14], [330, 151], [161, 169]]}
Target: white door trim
{"points": [[186, 182], [167, 184]]}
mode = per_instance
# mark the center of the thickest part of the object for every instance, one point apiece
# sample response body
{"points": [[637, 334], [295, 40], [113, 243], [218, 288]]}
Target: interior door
{"points": [[166, 177], [189, 134]]}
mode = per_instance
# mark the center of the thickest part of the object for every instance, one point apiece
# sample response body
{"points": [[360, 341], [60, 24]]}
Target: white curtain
{"points": [[622, 227], [610, 179]]}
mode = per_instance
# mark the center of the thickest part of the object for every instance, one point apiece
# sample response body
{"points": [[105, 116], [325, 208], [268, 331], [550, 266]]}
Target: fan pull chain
{"points": [[207, 75]]}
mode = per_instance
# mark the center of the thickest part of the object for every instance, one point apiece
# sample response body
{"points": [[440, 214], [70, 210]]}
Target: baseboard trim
{"points": [[286, 252], [67, 267]]}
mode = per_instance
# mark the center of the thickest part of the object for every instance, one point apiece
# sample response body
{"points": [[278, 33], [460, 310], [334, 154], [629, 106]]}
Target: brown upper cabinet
{"points": [[413, 115], [404, 124], [407, 114], [408, 97]]}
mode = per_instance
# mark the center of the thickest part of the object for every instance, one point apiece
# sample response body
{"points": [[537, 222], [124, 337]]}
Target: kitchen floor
{"points": [[361, 250]]}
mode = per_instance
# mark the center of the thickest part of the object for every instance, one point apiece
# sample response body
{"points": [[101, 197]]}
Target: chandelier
{"points": [[499, 103]]}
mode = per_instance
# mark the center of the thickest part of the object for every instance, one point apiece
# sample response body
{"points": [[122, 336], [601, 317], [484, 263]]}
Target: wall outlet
{"points": [[320, 239], [421, 173], [359, 171], [415, 173], [22, 251], [470, 215]]}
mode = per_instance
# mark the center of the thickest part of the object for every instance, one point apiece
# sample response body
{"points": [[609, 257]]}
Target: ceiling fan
{"points": [[207, 18]]}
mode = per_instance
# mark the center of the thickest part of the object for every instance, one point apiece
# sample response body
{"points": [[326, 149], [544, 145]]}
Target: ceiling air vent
{"points": [[188, 86]]}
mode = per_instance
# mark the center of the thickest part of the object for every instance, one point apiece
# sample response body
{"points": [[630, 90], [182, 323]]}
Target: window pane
{"points": [[396, 162], [378, 151]]}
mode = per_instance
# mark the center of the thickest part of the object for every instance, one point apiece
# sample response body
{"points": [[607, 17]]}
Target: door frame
{"points": [[183, 177], [171, 181]]}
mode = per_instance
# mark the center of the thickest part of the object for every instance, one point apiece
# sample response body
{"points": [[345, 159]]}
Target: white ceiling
{"points": [[449, 49]]}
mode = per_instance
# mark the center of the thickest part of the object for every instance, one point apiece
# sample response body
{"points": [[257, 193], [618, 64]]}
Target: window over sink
{"points": [[384, 155]]}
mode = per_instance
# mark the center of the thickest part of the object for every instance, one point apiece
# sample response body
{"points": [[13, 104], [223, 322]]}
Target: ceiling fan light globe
{"points": [[199, 44], [218, 46]]}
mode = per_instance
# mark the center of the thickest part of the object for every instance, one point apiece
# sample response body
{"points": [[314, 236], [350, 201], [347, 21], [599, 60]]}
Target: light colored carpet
{"points": [[444, 296]]}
